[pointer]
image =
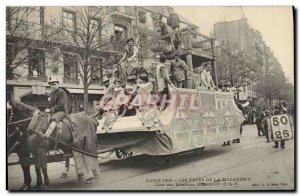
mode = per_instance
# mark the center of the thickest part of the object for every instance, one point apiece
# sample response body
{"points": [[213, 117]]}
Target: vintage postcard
{"points": [[150, 98]]}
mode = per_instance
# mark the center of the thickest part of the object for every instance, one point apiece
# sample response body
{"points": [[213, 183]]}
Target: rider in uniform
{"points": [[58, 104]]}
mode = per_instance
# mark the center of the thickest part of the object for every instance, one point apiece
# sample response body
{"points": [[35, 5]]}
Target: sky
{"points": [[274, 23]]}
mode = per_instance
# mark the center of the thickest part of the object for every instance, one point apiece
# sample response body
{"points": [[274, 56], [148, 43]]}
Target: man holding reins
{"points": [[58, 104]]}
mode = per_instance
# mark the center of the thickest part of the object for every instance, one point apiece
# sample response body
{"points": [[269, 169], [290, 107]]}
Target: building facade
{"points": [[46, 41], [239, 35]]}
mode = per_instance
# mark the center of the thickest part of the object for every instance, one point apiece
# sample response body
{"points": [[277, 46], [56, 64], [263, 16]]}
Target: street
{"points": [[252, 164]]}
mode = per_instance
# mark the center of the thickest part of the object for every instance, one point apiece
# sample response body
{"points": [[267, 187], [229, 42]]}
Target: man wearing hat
{"points": [[58, 104], [179, 70], [131, 59]]}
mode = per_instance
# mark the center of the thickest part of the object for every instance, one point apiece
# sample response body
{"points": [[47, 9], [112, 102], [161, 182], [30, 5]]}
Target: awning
{"points": [[90, 91]]}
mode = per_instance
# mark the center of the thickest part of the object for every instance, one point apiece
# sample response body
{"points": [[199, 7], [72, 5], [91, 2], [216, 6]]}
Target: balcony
{"points": [[37, 77], [71, 80], [54, 35]]}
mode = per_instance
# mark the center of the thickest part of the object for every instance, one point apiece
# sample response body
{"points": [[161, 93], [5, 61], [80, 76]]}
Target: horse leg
{"points": [[27, 177], [67, 167], [22, 152], [43, 161], [37, 166]]}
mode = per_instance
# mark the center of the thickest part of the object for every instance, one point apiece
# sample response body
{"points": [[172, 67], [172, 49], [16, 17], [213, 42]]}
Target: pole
{"points": [[214, 62]]}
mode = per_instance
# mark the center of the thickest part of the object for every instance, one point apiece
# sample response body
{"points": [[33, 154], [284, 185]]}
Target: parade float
{"points": [[190, 120]]}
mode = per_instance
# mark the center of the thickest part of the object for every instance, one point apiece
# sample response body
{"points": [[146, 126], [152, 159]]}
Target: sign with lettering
{"points": [[281, 128]]}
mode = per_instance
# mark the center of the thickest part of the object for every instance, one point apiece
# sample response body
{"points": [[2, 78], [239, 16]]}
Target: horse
{"points": [[17, 136], [165, 29], [63, 133]]}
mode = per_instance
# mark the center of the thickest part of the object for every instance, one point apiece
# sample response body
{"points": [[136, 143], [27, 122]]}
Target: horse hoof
{"points": [[25, 187], [64, 175]]}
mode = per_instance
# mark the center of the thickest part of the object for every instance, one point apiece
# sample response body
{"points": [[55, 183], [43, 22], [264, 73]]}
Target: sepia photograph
{"points": [[150, 98]]}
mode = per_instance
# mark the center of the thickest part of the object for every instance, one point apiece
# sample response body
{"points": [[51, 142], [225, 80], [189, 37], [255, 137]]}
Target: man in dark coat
{"points": [[179, 71], [58, 104], [259, 117]]}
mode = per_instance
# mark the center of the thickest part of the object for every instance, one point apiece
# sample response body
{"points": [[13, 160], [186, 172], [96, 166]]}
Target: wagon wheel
{"points": [[199, 150], [121, 154]]}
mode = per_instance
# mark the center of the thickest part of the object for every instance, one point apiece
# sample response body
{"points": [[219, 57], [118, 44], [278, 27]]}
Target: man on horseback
{"points": [[58, 104]]}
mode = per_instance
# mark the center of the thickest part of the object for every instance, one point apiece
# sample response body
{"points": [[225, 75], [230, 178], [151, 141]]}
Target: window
{"points": [[36, 64], [117, 40], [96, 64], [95, 29], [70, 68], [142, 17], [33, 15], [120, 32], [69, 21], [24, 18]]}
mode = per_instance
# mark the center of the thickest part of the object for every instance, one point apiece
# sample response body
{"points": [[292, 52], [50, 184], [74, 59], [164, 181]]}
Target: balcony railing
{"points": [[38, 77], [71, 80]]}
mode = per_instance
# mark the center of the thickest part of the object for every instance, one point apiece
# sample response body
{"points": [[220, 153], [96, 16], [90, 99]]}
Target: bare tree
{"points": [[88, 42], [273, 84], [21, 35]]}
